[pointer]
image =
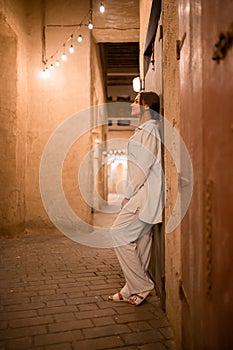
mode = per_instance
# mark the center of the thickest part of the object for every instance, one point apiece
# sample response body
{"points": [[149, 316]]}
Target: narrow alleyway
{"points": [[54, 296]]}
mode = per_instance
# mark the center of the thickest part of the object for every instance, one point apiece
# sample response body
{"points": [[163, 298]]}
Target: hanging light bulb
{"points": [[57, 63], [90, 25], [102, 8], [51, 67], [80, 38], [71, 49], [45, 72], [63, 56]]}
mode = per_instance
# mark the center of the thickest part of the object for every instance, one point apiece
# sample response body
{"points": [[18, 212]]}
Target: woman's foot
{"points": [[137, 299], [117, 297]]}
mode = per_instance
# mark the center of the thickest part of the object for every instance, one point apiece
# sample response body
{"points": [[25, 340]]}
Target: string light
{"points": [[54, 61], [71, 49], [63, 56], [102, 8], [80, 38], [90, 25], [45, 72]]}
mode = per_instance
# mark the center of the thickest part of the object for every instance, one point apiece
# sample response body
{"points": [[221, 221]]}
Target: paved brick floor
{"points": [[54, 296]]}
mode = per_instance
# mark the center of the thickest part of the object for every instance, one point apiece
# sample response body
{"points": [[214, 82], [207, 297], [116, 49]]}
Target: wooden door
{"points": [[217, 28], [206, 125]]}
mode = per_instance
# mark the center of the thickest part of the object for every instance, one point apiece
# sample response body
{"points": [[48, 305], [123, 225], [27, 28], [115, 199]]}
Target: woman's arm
{"points": [[142, 155]]}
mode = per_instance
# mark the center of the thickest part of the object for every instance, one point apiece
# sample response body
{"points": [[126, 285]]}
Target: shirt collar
{"points": [[151, 121]]}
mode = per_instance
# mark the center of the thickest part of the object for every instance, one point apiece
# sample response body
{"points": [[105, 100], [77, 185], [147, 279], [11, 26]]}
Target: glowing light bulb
{"points": [[102, 8], [97, 140], [57, 63], [136, 84], [80, 38], [71, 49], [64, 57], [45, 72], [51, 67], [90, 25]]}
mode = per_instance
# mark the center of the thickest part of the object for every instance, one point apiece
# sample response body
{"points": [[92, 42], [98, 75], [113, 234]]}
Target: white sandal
{"points": [[117, 297], [137, 299]]}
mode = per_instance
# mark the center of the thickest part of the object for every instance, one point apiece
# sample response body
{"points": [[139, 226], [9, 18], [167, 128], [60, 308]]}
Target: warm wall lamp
{"points": [[137, 84]]}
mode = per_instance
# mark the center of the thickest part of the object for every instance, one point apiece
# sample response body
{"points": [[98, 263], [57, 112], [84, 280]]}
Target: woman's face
{"points": [[136, 110]]}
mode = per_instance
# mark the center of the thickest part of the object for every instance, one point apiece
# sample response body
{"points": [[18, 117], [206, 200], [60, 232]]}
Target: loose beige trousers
{"points": [[132, 240]]}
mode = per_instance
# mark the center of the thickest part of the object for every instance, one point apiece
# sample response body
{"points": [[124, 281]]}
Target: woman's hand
{"points": [[123, 203]]}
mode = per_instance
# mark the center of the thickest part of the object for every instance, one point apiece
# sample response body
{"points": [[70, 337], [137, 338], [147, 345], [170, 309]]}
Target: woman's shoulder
{"points": [[151, 126]]}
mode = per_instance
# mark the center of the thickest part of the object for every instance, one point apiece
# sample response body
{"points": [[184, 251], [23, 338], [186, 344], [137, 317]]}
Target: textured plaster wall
{"points": [[164, 79], [172, 114], [55, 99], [99, 118], [154, 75], [144, 11], [120, 22], [13, 114], [33, 107], [97, 84]]}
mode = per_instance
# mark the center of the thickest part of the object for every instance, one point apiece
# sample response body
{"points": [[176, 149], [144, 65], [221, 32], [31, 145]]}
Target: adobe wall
{"points": [[13, 111], [99, 127], [34, 107], [172, 115], [163, 78], [144, 11], [55, 99]]}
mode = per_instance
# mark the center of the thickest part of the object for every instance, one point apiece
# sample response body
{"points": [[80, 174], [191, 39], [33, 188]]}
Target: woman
{"points": [[142, 205]]}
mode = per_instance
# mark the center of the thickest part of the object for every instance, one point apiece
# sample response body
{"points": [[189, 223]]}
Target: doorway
{"points": [[117, 175]]}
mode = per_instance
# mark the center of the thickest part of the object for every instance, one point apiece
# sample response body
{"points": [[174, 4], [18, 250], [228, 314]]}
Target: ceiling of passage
{"points": [[120, 66], [117, 32]]}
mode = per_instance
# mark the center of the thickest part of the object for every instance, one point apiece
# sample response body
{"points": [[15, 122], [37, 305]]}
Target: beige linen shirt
{"points": [[145, 176]]}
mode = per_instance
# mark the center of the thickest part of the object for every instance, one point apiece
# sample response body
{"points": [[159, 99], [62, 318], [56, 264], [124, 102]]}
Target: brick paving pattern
{"points": [[54, 297]]}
